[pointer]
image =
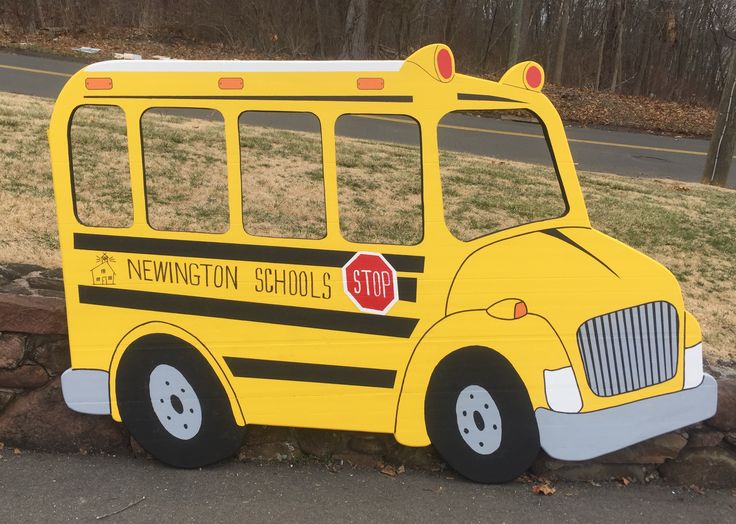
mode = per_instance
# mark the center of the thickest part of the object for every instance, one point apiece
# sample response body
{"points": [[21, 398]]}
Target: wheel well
{"points": [[143, 336]]}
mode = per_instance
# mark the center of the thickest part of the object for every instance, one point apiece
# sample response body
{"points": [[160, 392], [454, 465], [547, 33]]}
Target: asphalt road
{"points": [[620, 152], [38, 487]]}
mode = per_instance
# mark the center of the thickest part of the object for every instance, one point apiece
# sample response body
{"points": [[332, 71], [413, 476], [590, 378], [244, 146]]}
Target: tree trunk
{"points": [[723, 141], [617, 61], [562, 39], [354, 43], [602, 48], [517, 15], [320, 36]]}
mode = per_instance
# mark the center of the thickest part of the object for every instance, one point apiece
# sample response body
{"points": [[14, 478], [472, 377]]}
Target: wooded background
{"points": [[671, 49]]}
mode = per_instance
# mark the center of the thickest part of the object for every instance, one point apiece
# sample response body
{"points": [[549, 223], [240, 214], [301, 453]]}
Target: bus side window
{"points": [[185, 167], [99, 166], [483, 193], [282, 175], [379, 179]]}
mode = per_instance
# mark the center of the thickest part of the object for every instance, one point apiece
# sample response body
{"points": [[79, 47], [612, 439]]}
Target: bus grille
{"points": [[630, 349]]}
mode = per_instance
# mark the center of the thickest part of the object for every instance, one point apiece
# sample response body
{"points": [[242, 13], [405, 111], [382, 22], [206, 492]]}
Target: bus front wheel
{"points": [[479, 416], [173, 403]]}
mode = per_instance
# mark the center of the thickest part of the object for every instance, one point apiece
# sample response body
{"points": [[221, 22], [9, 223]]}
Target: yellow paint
{"points": [[31, 70], [562, 286]]}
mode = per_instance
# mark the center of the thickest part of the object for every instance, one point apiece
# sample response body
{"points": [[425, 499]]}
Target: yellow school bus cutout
{"points": [[549, 334]]}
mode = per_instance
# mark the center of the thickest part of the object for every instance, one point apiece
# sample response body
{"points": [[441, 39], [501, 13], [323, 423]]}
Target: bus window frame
{"points": [[70, 157], [242, 192], [553, 155], [422, 174], [229, 225]]}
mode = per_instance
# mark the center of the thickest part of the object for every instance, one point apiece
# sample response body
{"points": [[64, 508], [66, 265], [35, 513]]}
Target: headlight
{"points": [[562, 391], [693, 366]]}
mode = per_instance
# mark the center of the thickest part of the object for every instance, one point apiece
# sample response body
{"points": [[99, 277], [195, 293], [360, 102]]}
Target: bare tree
{"points": [[516, 21], [561, 41], [723, 141], [354, 43]]}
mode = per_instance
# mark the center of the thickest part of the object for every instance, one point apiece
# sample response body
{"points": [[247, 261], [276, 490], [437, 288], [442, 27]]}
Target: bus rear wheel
{"points": [[173, 403], [479, 416]]}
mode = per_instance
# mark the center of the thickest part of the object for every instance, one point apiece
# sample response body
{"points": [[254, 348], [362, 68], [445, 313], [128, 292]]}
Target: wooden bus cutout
{"points": [[548, 334]]}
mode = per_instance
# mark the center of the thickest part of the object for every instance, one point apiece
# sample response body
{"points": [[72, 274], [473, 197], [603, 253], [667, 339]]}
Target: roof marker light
{"points": [[230, 83], [98, 83]]}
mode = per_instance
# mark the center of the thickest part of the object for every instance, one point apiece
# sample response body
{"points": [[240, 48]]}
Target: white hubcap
{"points": [[478, 420], [175, 402]]}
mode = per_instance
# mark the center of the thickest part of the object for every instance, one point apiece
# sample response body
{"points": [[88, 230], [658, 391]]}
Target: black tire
{"points": [[212, 433], [451, 384]]}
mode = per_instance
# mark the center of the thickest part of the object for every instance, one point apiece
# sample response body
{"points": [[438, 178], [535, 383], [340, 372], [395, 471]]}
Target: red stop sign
{"points": [[370, 282]]}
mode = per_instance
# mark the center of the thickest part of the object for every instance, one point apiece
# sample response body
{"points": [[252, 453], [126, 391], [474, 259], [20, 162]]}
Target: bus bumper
{"points": [[86, 390], [582, 436]]}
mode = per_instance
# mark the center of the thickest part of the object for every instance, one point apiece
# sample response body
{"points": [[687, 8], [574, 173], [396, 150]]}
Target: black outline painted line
{"points": [[366, 323], [485, 98], [303, 372], [234, 252], [299, 98], [556, 233]]}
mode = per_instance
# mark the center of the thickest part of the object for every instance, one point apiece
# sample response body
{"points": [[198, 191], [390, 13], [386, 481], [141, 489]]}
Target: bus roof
{"points": [[245, 66]]}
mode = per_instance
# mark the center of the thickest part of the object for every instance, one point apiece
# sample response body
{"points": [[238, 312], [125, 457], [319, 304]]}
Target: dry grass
{"points": [[689, 227]]}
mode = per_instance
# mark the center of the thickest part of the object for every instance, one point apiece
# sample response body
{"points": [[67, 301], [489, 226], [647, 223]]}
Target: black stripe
{"points": [[305, 98], [407, 289], [241, 252], [561, 236], [326, 374], [485, 98], [367, 323]]}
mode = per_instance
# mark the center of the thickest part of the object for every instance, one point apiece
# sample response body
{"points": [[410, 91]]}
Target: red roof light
{"points": [[444, 64], [533, 77]]}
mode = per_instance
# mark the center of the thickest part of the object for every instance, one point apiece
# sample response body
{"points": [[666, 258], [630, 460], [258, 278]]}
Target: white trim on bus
{"points": [[245, 66]]}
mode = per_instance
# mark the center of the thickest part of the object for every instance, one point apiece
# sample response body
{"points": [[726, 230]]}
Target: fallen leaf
{"points": [[697, 489], [401, 470], [624, 481], [544, 488], [389, 471], [2, 446], [16, 451]]}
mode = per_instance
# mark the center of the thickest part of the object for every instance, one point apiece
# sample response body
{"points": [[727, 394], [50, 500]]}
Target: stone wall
{"points": [[34, 351]]}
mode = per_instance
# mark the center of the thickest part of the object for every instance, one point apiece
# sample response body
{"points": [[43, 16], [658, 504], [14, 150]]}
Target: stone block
{"points": [[705, 467], [725, 417], [554, 469], [20, 269], [28, 376], [34, 315], [39, 282], [704, 438], [368, 444], [12, 350], [5, 398], [320, 443], [41, 420], [51, 352], [653, 451], [425, 458]]}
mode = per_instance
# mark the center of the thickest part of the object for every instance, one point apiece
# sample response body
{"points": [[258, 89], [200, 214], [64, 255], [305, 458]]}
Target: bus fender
{"points": [[530, 344], [156, 327]]}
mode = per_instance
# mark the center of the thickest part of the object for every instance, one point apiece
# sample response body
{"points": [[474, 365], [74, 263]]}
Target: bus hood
{"points": [[566, 275]]}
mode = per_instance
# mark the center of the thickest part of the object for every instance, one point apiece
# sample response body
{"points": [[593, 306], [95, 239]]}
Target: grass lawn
{"points": [[688, 227]]}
